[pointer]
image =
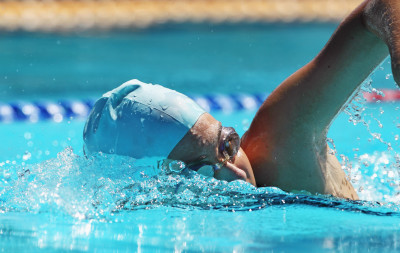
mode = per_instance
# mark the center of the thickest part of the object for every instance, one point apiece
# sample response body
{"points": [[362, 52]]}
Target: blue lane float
{"points": [[58, 111]]}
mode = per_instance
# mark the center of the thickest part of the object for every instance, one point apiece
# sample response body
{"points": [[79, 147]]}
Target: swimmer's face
{"points": [[208, 143]]}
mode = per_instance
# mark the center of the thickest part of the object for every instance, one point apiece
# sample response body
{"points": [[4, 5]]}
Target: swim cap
{"points": [[138, 120]]}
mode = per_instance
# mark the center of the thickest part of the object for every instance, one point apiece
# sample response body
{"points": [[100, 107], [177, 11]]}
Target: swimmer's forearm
{"points": [[382, 17], [317, 92], [359, 44]]}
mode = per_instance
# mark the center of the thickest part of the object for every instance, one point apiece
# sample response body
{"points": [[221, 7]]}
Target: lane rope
{"points": [[62, 110]]}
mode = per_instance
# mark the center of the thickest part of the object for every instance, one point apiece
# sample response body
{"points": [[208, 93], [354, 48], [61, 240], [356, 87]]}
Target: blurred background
{"points": [[57, 56], [78, 49]]}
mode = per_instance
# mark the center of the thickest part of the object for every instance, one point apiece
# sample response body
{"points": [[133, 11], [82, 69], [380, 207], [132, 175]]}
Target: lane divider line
{"points": [[62, 110]]}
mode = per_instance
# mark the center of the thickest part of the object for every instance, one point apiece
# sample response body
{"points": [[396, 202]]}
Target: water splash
{"points": [[377, 176], [69, 183], [377, 170], [98, 187]]}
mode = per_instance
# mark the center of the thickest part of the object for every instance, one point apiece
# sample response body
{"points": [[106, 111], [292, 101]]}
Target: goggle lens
{"points": [[229, 143]]}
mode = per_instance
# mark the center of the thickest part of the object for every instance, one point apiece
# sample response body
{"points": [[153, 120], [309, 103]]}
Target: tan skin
{"points": [[285, 145], [200, 144]]}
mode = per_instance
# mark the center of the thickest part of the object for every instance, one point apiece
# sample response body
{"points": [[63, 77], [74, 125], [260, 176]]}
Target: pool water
{"points": [[65, 203], [187, 57], [53, 199]]}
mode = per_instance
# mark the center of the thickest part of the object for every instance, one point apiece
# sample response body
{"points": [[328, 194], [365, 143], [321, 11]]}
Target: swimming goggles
{"points": [[229, 145]]}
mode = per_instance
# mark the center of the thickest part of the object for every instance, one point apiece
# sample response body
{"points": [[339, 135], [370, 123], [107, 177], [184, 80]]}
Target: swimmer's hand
{"points": [[382, 17], [238, 169]]}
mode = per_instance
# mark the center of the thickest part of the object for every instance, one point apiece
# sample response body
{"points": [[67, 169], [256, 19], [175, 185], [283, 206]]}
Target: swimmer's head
{"points": [[143, 120], [213, 150], [139, 120]]}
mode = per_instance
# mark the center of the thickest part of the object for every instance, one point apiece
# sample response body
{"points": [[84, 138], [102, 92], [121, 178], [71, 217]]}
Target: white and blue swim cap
{"points": [[139, 120]]}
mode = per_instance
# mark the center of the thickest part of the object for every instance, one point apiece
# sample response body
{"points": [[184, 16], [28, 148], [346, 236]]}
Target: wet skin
{"points": [[285, 145], [200, 146]]}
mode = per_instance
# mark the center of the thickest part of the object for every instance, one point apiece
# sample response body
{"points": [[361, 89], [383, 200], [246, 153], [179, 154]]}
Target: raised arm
{"points": [[286, 142]]}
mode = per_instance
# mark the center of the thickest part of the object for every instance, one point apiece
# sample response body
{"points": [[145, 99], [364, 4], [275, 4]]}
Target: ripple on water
{"points": [[96, 188]]}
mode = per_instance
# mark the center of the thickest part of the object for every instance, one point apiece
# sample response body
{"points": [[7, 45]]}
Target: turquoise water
{"points": [[186, 57], [53, 199], [64, 202]]}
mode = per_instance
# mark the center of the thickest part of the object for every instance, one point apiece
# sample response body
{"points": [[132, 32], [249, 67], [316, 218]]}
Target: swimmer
{"points": [[285, 145]]}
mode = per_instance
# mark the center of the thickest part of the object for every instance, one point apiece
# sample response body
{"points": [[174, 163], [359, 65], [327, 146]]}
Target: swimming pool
{"points": [[53, 199]]}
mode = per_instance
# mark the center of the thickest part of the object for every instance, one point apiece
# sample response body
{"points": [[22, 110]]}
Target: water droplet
{"points": [[245, 124], [332, 147], [27, 135], [376, 135], [26, 156], [174, 165]]}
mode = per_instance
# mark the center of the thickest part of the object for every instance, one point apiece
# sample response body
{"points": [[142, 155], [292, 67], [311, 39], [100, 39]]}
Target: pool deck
{"points": [[72, 15]]}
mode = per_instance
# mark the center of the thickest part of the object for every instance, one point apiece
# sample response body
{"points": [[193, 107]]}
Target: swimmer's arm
{"points": [[319, 90], [286, 142]]}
